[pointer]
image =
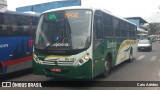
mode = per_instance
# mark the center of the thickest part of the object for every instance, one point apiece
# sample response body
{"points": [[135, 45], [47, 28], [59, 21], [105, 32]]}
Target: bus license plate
{"points": [[56, 70]]}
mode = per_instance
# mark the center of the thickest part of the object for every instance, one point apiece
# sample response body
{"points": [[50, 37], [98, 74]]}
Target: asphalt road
{"points": [[145, 67]]}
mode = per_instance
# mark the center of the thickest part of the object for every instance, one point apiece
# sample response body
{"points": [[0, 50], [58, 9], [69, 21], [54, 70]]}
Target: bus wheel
{"points": [[107, 65], [130, 56]]}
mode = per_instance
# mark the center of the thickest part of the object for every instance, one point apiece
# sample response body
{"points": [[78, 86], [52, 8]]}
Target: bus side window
{"points": [[98, 30], [1, 18]]}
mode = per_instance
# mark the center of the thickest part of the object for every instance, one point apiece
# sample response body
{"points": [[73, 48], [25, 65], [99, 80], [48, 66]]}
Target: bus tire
{"points": [[1, 68], [130, 56], [107, 66]]}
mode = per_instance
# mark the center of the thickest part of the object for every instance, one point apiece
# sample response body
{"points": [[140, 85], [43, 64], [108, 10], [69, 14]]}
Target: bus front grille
{"points": [[60, 63]]}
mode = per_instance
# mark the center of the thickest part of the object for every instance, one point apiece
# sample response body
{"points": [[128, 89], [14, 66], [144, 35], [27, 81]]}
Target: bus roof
{"points": [[24, 14], [139, 30], [80, 7]]}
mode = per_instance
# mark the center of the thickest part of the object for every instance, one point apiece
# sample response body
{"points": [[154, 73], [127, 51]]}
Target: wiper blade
{"points": [[50, 44]]}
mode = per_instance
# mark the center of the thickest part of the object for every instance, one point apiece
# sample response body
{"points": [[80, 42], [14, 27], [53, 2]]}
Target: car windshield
{"points": [[144, 42]]}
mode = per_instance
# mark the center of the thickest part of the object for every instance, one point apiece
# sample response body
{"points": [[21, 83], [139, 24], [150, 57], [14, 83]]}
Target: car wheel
{"points": [[139, 50], [151, 49]]}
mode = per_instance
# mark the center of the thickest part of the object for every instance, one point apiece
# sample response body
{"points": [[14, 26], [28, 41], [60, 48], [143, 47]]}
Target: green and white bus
{"points": [[81, 43]]}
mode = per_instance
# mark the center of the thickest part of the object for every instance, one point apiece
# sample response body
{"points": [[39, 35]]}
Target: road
{"points": [[145, 67]]}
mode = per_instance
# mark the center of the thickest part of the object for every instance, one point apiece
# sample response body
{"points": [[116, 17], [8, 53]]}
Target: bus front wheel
{"points": [[107, 67]]}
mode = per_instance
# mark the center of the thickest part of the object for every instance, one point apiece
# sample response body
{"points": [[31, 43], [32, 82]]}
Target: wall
{"points": [[136, 21]]}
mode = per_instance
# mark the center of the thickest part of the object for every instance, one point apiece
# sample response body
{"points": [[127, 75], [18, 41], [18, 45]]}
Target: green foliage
{"points": [[153, 28]]}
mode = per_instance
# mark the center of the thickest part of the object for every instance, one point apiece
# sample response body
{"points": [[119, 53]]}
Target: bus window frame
{"points": [[12, 27], [100, 28]]}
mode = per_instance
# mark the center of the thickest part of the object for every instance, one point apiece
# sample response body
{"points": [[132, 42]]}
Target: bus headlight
{"points": [[35, 58], [86, 57], [82, 60]]}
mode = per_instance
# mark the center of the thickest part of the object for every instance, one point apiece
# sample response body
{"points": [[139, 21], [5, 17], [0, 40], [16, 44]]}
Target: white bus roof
{"points": [[24, 14], [80, 7], [142, 31]]}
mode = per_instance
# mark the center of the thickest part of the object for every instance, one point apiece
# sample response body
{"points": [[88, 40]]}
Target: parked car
{"points": [[144, 45]]}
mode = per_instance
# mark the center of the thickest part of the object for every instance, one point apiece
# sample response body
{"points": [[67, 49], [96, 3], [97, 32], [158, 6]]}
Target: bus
{"points": [[142, 34], [153, 38], [82, 43], [16, 40]]}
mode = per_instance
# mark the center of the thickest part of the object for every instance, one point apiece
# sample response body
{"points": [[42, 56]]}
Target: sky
{"points": [[123, 8]]}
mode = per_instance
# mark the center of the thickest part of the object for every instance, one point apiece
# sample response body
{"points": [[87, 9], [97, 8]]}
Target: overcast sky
{"points": [[124, 8]]}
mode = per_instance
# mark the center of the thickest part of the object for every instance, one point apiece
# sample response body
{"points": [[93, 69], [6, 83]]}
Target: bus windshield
{"points": [[64, 30]]}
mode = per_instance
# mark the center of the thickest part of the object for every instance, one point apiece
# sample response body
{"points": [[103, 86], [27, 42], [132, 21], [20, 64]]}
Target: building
{"points": [[139, 22], [39, 8], [3, 5]]}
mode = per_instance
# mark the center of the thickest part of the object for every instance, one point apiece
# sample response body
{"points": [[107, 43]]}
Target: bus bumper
{"points": [[75, 72]]}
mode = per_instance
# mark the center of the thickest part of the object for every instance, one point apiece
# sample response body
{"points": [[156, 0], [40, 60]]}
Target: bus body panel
{"points": [[78, 72], [16, 40], [98, 60], [109, 45], [19, 66], [68, 68], [124, 50], [119, 47], [15, 50]]}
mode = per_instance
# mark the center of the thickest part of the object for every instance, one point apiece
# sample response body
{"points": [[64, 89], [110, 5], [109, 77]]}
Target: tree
{"points": [[153, 29]]}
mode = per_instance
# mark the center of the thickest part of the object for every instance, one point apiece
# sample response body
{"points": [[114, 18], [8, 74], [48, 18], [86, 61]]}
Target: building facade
{"points": [[139, 22], [39, 8]]}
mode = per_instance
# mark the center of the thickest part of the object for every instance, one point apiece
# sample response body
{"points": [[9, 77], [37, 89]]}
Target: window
{"points": [[123, 29], [134, 32], [9, 19], [98, 30], [131, 30], [128, 30], [131, 33], [107, 25], [116, 27], [1, 18], [15, 25]]}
